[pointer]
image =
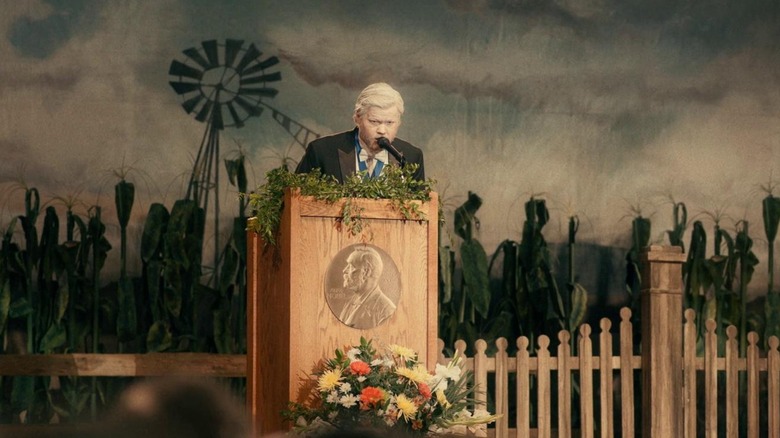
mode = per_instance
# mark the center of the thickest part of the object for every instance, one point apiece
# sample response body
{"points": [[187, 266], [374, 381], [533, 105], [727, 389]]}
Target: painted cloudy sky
{"points": [[599, 105]]}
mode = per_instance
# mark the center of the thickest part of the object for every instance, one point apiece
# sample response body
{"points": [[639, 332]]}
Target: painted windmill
{"points": [[223, 85]]}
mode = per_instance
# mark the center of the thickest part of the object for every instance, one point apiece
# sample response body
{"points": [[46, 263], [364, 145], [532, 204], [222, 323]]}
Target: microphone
{"points": [[384, 143]]}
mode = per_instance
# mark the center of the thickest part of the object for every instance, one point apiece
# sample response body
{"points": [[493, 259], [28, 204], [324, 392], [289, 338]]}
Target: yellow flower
{"points": [[418, 374], [329, 380], [406, 406], [402, 352], [442, 399]]}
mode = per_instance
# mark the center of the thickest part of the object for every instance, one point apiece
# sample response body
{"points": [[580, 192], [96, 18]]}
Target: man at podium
{"points": [[371, 145]]}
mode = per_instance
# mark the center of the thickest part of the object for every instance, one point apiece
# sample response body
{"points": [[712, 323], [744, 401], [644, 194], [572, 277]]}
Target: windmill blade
{"points": [[181, 69], [184, 87], [252, 110], [270, 62], [232, 47], [204, 112], [271, 77], [190, 104], [237, 121], [193, 54], [251, 54], [210, 47], [262, 92]]}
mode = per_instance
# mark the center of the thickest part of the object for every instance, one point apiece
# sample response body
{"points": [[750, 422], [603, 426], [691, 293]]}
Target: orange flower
{"points": [[360, 368], [425, 390], [371, 395]]}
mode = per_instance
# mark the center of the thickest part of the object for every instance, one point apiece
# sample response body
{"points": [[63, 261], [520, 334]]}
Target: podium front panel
{"points": [[295, 319]]}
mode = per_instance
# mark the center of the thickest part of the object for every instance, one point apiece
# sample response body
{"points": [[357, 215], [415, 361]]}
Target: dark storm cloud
{"points": [[62, 80], [713, 25], [611, 61], [39, 38]]}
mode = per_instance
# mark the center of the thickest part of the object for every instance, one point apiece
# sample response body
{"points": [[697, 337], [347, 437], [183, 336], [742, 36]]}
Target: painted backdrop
{"points": [[603, 107]]}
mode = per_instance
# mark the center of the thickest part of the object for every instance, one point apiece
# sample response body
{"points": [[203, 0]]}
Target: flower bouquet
{"points": [[360, 388]]}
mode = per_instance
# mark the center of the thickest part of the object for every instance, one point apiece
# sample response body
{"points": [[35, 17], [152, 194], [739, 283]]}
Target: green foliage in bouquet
{"points": [[362, 389], [395, 184]]}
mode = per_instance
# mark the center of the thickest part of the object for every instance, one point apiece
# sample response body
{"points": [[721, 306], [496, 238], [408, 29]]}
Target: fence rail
{"points": [[124, 365]]}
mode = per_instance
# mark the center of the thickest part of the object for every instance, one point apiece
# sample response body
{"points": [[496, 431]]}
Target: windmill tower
{"points": [[223, 85]]}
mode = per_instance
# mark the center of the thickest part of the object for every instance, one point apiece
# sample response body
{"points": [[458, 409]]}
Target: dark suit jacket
{"points": [[335, 155]]}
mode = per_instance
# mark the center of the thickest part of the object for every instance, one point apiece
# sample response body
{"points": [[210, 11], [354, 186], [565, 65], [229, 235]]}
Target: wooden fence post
{"points": [[662, 382]]}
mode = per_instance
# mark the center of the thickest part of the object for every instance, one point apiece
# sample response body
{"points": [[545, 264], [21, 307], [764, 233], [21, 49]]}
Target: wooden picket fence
{"points": [[536, 376]]}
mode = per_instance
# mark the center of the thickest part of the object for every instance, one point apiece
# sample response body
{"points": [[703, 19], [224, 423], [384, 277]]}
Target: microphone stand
{"points": [[385, 144]]}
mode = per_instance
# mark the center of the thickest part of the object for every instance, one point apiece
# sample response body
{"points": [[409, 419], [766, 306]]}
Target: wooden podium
{"points": [[294, 291]]}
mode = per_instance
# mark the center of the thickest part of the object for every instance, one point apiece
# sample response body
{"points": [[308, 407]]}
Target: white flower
{"points": [[451, 371], [361, 379], [345, 387], [333, 397], [475, 424], [353, 354], [349, 400], [442, 373]]}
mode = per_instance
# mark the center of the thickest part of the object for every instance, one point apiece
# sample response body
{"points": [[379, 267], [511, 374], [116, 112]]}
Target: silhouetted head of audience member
{"points": [[175, 407]]}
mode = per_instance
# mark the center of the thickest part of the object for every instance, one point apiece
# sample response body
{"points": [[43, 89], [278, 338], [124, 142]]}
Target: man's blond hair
{"points": [[378, 95]]}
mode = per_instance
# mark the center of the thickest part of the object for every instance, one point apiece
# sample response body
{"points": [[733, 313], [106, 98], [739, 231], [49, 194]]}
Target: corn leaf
{"points": [[475, 274], [154, 229]]}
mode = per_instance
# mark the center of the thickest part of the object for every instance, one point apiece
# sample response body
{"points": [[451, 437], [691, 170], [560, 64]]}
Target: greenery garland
{"points": [[395, 184]]}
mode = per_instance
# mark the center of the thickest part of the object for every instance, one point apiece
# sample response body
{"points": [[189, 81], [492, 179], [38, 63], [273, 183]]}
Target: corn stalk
{"points": [[771, 215], [126, 323], [576, 301]]}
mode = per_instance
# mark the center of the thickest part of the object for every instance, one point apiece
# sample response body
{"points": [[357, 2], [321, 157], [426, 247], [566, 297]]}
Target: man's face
{"points": [[375, 123], [354, 277]]}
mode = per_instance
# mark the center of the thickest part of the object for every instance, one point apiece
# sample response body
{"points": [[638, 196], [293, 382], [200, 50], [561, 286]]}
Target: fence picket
{"points": [[710, 380], [480, 371], [752, 382], [605, 380], [732, 383], [626, 373], [523, 387], [773, 387], [689, 374], [543, 387], [502, 387], [586, 382], [564, 385]]}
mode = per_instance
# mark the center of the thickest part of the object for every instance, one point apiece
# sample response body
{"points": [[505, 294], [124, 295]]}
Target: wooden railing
{"points": [[124, 365]]}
